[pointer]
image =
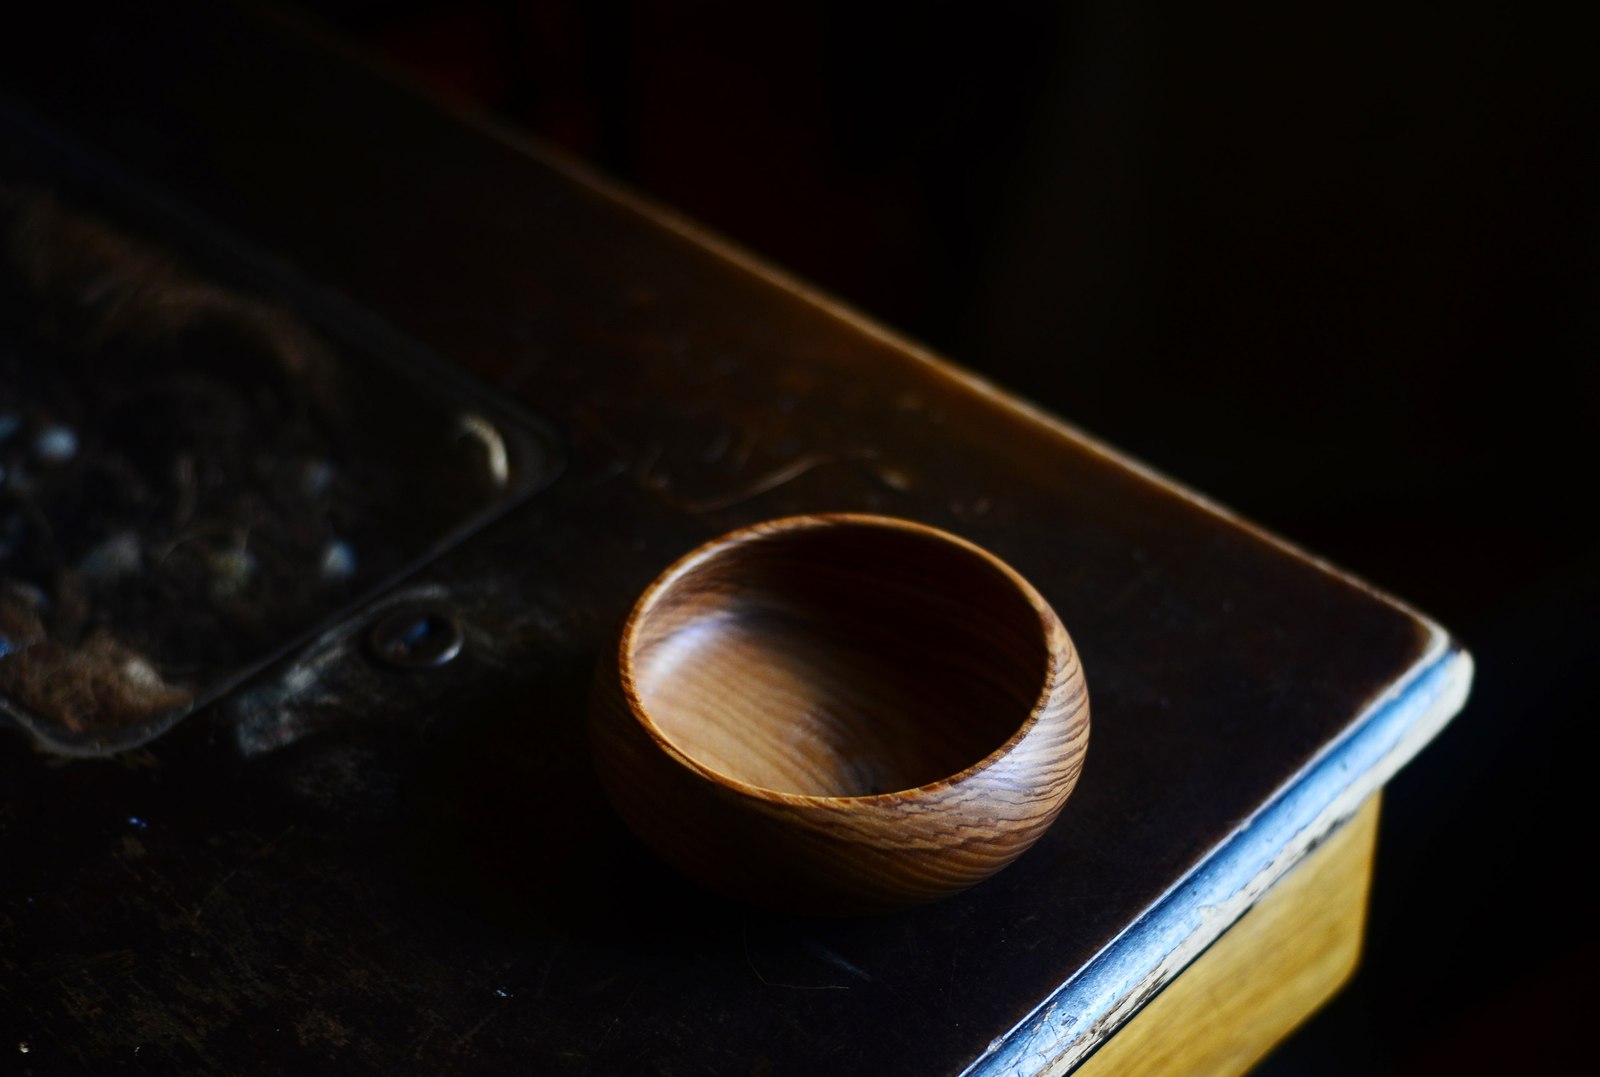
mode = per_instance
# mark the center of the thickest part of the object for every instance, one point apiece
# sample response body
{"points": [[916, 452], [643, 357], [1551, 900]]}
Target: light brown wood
{"points": [[1265, 975], [840, 714]]}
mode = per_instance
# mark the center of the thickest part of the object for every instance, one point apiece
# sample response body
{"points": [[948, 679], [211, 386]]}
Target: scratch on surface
{"points": [[772, 480], [321, 1027], [718, 448], [465, 1039], [644, 472], [262, 852], [194, 917], [617, 1020], [744, 934], [838, 961], [420, 1041], [748, 436], [126, 864], [1148, 574], [549, 963]]}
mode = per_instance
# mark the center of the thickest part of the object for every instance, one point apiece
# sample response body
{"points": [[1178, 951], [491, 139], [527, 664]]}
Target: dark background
{"points": [[1339, 269]]}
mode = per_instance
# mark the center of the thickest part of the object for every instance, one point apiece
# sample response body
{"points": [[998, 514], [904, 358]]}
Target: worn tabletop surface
{"points": [[416, 871]]}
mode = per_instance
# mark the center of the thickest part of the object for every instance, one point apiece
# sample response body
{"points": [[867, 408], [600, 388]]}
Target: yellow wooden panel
{"points": [[1267, 974]]}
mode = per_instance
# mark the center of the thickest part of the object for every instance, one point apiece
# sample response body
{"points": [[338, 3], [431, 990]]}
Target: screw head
{"points": [[415, 637]]}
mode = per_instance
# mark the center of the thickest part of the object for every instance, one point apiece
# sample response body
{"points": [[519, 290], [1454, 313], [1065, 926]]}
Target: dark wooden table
{"points": [[339, 865]]}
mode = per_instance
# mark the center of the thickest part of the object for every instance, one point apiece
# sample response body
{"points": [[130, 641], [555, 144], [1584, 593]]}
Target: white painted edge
{"points": [[1066, 1028]]}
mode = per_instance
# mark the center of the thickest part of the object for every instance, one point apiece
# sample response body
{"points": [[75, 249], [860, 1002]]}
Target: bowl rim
{"points": [[1059, 652]]}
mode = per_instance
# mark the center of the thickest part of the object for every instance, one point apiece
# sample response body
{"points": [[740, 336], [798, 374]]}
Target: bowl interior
{"points": [[839, 659]]}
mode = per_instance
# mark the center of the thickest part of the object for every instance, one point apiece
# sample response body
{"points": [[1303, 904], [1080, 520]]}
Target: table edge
{"points": [[1133, 967]]}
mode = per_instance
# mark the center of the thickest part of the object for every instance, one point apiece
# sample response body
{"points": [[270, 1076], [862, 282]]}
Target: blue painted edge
{"points": [[1112, 986]]}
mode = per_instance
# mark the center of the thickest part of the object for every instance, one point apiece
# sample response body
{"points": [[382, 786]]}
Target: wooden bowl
{"points": [[840, 714]]}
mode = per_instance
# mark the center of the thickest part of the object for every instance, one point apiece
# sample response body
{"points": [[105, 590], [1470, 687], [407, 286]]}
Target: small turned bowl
{"points": [[839, 714]]}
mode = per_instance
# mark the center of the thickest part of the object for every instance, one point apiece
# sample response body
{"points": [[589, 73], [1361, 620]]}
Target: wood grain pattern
{"points": [[840, 714], [1269, 972]]}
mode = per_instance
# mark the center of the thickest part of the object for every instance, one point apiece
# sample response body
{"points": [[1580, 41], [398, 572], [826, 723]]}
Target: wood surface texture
{"points": [[840, 714], [345, 867], [1270, 971]]}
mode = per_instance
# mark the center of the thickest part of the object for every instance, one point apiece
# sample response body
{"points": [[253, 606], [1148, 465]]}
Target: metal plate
{"points": [[194, 474]]}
